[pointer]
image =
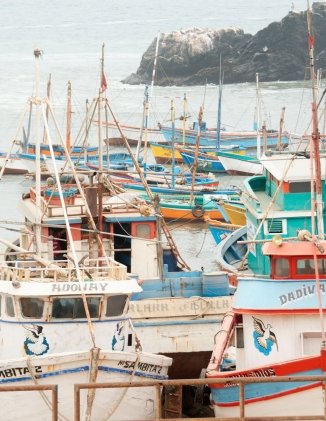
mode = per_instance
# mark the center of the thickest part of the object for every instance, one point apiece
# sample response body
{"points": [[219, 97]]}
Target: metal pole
{"points": [[76, 402]]}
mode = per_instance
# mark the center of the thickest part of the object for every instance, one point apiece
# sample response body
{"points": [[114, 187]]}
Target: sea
{"points": [[71, 33]]}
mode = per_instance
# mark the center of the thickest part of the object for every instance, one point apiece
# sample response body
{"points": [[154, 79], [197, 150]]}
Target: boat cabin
{"points": [[295, 260], [37, 318], [127, 224]]}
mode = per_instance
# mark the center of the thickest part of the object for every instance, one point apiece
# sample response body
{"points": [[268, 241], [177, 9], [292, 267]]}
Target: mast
{"points": [[219, 110], [68, 117], [155, 62], [258, 116], [184, 119], [194, 168], [315, 136], [48, 94], [172, 143], [145, 107], [100, 151], [37, 101], [279, 138]]}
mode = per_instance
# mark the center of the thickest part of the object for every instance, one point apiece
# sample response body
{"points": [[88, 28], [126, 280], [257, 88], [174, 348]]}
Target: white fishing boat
{"points": [[44, 306]]}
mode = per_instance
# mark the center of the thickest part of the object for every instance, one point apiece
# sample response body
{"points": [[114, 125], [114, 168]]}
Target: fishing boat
{"points": [[12, 164], [247, 140], [279, 330], [183, 207], [236, 164], [219, 229]]}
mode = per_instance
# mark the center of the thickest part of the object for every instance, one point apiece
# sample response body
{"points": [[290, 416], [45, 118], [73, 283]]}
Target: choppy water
{"points": [[71, 34]]}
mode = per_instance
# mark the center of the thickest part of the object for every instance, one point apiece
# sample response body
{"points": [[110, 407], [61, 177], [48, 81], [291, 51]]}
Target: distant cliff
{"points": [[278, 52]]}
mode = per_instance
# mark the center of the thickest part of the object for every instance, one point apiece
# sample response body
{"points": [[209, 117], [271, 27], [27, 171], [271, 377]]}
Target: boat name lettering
{"points": [[76, 287], [18, 371], [151, 368], [264, 372], [304, 291], [199, 305]]}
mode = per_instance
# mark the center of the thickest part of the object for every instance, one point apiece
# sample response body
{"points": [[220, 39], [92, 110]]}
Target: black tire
{"points": [[198, 211]]}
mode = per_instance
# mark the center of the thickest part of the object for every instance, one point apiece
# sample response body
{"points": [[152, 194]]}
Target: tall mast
{"points": [[37, 101], [68, 117], [258, 116], [172, 142], [184, 119], [279, 139], [48, 94], [219, 111], [154, 64], [315, 136], [194, 168], [100, 151]]}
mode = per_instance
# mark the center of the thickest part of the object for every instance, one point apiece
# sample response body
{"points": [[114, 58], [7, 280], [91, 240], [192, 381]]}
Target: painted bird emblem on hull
{"points": [[35, 342], [264, 337]]}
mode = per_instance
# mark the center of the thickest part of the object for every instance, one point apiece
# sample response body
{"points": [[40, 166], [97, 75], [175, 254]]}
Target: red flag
{"points": [[104, 84], [310, 41]]}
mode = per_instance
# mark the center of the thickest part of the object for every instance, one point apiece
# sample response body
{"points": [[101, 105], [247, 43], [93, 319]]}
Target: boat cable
{"points": [[118, 401], [69, 232], [45, 398]]}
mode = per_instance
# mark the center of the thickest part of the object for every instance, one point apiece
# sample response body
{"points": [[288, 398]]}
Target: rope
{"points": [[46, 400], [117, 403]]}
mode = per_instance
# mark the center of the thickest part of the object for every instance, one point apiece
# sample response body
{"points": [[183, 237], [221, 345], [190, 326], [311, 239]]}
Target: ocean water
{"points": [[71, 33]]}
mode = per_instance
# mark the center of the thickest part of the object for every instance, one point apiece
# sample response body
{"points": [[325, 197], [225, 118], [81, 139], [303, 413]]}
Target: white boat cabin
{"points": [[47, 315]]}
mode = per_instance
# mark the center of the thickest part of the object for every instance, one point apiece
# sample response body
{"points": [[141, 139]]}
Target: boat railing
{"points": [[170, 407], [63, 270], [248, 195]]}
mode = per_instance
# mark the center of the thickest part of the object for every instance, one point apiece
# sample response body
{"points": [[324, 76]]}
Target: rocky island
{"points": [[277, 52]]}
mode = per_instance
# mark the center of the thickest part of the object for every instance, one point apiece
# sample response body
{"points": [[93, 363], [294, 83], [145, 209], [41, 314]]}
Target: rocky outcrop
{"points": [[278, 52]]}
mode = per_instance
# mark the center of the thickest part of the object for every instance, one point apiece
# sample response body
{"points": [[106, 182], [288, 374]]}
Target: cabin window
{"points": [[10, 307], [73, 308], [282, 268], [239, 340], [32, 307], [300, 187], [143, 231], [307, 266], [115, 305]]}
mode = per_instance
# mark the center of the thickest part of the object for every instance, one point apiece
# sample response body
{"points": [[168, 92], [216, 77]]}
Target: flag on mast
{"points": [[104, 84]]}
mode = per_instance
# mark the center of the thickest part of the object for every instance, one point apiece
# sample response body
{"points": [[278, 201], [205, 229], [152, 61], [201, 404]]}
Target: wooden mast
{"points": [[194, 168], [68, 118], [315, 136], [37, 101], [258, 117], [219, 111]]}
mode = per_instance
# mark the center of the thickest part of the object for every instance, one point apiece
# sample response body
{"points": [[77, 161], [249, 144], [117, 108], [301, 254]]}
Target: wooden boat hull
{"points": [[163, 154], [221, 230], [235, 213], [187, 212], [240, 165], [67, 369], [13, 166]]}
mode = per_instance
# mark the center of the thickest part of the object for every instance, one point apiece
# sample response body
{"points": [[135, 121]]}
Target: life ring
{"points": [[198, 211]]}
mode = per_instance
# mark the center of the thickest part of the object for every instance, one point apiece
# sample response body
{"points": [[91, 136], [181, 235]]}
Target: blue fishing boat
{"points": [[277, 324]]}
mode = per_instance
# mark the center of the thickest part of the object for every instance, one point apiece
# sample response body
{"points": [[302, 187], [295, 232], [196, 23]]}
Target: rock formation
{"points": [[277, 52]]}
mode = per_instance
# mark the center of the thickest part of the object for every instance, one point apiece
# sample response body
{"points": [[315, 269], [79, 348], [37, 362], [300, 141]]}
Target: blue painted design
{"points": [[230, 394], [83, 369], [119, 339], [269, 344]]}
